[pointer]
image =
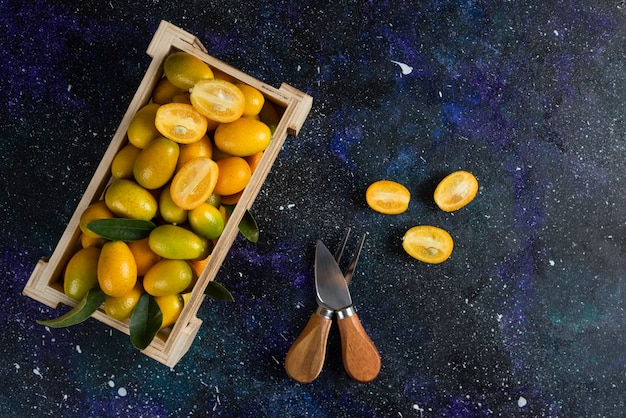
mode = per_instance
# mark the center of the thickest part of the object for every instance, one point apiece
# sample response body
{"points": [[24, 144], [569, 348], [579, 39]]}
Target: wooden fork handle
{"points": [[306, 356], [360, 356]]}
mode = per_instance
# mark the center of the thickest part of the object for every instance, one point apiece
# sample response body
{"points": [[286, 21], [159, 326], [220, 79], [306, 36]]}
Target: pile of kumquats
{"points": [[190, 154]]}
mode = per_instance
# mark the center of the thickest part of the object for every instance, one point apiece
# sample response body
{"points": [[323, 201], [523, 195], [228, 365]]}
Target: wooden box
{"points": [[46, 281]]}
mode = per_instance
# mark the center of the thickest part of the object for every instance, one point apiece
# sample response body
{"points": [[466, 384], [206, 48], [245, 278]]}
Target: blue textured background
{"points": [[525, 319]]}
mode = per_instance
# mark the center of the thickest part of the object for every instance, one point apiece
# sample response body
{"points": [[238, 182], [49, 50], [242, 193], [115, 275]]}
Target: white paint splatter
{"points": [[551, 262], [111, 383], [122, 392], [37, 372], [406, 69], [217, 398], [78, 349], [521, 402]]}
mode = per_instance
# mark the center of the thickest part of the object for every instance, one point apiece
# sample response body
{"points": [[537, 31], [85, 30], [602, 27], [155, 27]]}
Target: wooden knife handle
{"points": [[306, 356], [360, 356]]}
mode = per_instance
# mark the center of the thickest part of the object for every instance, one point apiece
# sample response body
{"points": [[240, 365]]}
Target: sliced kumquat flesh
{"points": [[456, 190], [194, 183], [180, 122], [218, 100], [429, 244], [388, 197]]}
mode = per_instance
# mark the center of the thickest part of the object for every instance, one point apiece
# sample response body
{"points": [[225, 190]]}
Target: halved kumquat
{"points": [[218, 100], [180, 122], [194, 183], [456, 190], [388, 197], [429, 244]]}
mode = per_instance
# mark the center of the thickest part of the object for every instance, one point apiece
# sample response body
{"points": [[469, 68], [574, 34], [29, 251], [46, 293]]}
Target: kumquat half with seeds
{"points": [[143, 246]]}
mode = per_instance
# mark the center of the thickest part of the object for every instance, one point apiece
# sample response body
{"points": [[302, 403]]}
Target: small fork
{"points": [[352, 266]]}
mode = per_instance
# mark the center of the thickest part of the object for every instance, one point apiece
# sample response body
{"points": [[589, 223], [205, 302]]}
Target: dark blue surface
{"points": [[525, 319]]}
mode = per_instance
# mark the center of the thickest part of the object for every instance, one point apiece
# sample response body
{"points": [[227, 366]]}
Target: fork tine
{"points": [[348, 275], [342, 245]]}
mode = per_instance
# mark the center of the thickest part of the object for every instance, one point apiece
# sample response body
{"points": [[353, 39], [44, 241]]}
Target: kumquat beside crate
{"points": [[125, 231]]}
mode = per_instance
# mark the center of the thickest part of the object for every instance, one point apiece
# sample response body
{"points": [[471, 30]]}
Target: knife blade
{"points": [[331, 288], [361, 359]]}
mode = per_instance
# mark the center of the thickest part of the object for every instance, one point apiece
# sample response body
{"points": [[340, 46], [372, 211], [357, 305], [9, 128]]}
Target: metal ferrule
{"points": [[345, 312], [324, 312]]}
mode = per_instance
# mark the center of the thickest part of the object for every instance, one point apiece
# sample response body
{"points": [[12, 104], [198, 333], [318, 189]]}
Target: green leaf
{"points": [[79, 313], [121, 229], [145, 321], [248, 226], [219, 292]]}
